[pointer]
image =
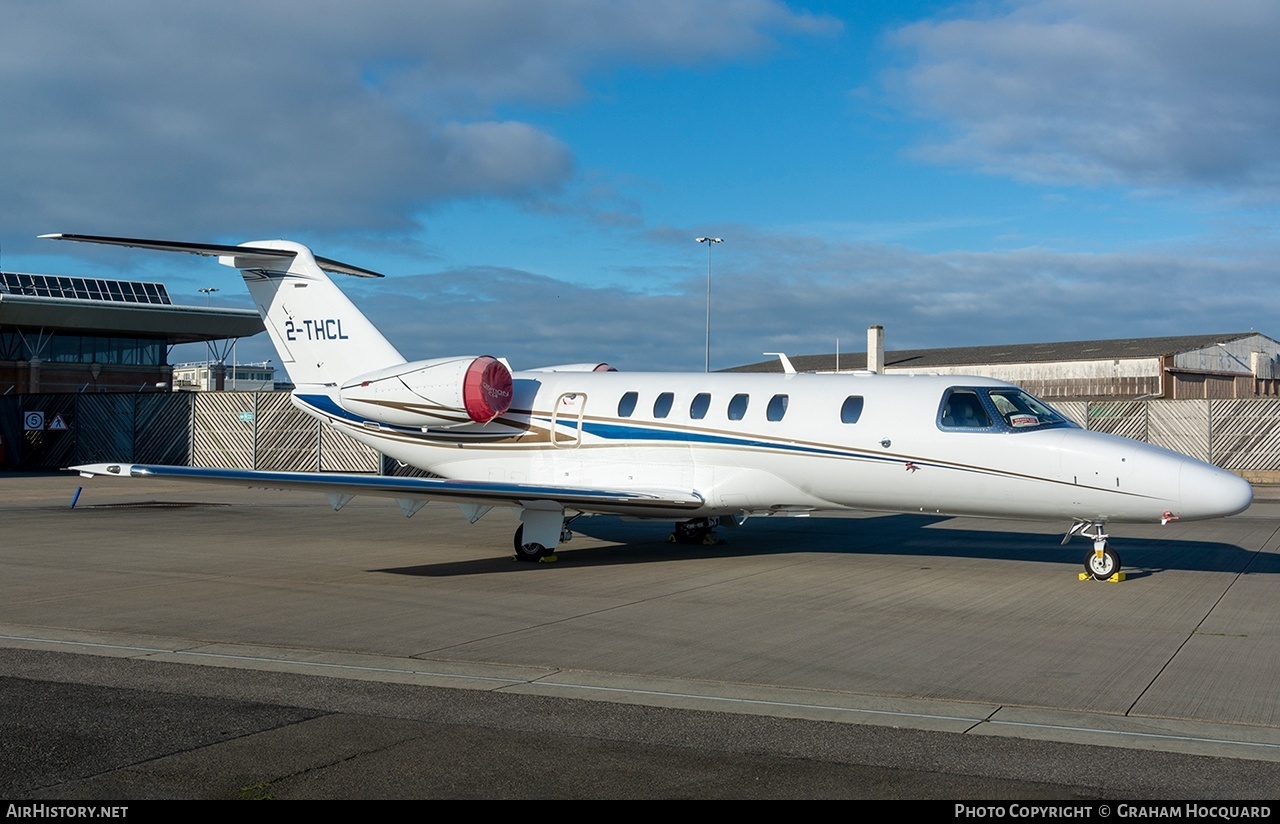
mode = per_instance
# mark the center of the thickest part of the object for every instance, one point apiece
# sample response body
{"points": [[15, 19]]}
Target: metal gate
{"points": [[75, 429]]}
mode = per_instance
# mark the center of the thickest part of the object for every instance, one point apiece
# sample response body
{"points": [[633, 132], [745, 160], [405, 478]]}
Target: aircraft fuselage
{"points": [[754, 443]]}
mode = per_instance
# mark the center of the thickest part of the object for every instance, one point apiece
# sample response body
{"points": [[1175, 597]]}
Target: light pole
{"points": [[710, 241], [208, 347]]}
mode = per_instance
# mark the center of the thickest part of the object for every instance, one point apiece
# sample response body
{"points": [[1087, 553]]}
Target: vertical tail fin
{"points": [[322, 338]]}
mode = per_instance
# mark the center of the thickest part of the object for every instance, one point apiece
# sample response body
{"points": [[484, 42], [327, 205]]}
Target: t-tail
{"points": [[321, 337]]}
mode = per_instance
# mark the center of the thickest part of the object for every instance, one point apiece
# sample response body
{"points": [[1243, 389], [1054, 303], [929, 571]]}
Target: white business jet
{"points": [[561, 442]]}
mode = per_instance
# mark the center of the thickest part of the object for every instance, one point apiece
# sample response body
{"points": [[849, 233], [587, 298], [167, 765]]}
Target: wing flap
{"points": [[487, 493]]}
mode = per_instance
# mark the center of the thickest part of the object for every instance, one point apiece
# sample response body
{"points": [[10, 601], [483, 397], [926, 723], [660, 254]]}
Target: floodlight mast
{"points": [[710, 241], [208, 346]]}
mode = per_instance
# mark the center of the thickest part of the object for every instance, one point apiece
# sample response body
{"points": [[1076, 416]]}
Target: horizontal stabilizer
{"points": [[215, 250], [585, 499]]}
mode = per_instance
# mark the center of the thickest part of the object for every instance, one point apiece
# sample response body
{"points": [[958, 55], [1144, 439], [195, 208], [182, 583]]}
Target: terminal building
{"points": [[61, 334], [1229, 365], [206, 376]]}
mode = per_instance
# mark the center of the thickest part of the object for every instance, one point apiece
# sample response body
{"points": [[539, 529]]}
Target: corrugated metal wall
{"points": [[263, 430], [241, 430], [286, 438], [1182, 426], [142, 428], [162, 426], [338, 453], [1077, 411], [1126, 418], [1245, 434], [47, 449], [222, 432]]}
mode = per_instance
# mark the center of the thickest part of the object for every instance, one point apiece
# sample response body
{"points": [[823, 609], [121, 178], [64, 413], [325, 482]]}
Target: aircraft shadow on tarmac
{"points": [[899, 535]]}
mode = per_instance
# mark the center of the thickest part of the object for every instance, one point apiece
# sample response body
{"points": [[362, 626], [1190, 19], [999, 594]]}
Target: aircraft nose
{"points": [[1209, 492]]}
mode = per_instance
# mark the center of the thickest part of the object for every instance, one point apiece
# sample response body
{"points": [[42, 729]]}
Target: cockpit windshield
{"points": [[996, 409]]}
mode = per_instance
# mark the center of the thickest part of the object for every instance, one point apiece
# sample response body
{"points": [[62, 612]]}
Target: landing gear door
{"points": [[566, 420]]}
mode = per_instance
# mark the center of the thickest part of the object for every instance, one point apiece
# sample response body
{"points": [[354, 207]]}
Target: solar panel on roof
{"points": [[97, 289]]}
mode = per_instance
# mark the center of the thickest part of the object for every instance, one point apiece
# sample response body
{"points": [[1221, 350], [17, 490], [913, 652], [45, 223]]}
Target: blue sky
{"points": [[531, 175]]}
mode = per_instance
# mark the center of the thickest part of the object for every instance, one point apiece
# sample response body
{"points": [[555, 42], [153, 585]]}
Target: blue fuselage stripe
{"points": [[633, 434]]}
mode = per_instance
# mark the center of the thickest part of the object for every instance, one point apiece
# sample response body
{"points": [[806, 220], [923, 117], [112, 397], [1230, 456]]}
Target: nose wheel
{"points": [[1102, 562]]}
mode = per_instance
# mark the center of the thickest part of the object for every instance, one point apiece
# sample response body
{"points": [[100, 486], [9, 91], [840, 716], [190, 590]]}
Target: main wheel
{"points": [[691, 532], [528, 552], [531, 552], [1104, 566]]}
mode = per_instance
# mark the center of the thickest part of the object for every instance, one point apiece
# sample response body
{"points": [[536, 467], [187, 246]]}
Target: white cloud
{"points": [[265, 116], [1168, 94]]}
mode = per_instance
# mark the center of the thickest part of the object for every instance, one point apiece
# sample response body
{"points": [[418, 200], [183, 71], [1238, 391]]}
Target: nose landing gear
{"points": [[1102, 563]]}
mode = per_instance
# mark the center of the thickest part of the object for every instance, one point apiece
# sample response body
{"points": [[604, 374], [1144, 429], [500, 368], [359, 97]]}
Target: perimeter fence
{"points": [[263, 430]]}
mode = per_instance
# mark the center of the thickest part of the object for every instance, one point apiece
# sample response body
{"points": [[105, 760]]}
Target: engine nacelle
{"points": [[443, 393]]}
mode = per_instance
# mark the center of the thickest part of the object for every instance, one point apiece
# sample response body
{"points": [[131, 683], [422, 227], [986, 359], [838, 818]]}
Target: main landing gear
{"points": [[696, 531], [693, 531], [1102, 563], [535, 552]]}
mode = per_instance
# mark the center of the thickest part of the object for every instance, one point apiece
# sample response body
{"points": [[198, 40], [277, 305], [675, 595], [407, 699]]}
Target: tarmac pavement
{"points": [[181, 641]]}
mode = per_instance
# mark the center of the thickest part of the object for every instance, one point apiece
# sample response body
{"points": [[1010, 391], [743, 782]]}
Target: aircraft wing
{"points": [[484, 493]]}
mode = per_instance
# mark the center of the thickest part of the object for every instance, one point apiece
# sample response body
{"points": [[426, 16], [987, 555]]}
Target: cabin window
{"points": [[627, 405], [963, 409], [737, 407], [698, 408], [662, 405], [851, 409], [777, 408]]}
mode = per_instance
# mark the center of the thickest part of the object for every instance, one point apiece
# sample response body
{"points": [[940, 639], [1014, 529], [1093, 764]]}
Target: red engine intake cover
{"points": [[486, 389]]}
